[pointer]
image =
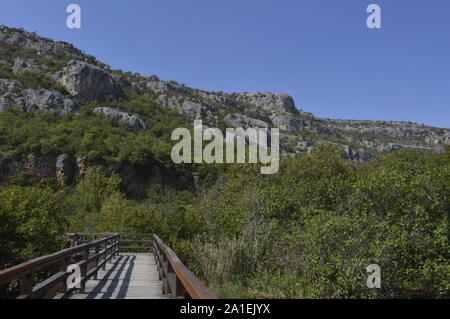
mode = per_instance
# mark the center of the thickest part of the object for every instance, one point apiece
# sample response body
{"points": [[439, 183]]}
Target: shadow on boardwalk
{"points": [[131, 276]]}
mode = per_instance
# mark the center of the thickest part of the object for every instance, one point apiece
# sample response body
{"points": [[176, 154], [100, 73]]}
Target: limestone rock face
{"points": [[19, 38], [22, 65], [89, 82], [42, 99], [191, 109], [167, 88], [286, 123], [171, 102], [81, 167], [436, 139], [278, 102], [302, 146], [360, 155], [42, 167], [86, 79], [133, 121], [198, 110], [241, 121], [65, 169], [219, 98], [13, 94], [9, 86], [403, 130]]}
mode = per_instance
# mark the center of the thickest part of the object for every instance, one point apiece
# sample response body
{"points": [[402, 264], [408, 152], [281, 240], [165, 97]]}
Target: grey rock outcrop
{"points": [[404, 130], [46, 100], [13, 94], [219, 98], [89, 82], [22, 65], [171, 102], [10, 86], [166, 88], [133, 121], [360, 155], [65, 169], [192, 109], [286, 123], [435, 139], [198, 110], [278, 102], [239, 120], [42, 167], [302, 146], [86, 79], [20, 38]]}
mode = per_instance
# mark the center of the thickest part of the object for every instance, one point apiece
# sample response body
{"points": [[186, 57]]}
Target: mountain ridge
{"points": [[39, 74]]}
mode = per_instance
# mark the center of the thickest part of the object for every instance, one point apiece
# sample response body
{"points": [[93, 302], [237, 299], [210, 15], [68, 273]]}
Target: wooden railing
{"points": [[128, 241], [91, 252], [177, 279], [90, 257]]}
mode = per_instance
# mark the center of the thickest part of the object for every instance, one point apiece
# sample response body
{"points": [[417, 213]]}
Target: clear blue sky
{"points": [[318, 51]]}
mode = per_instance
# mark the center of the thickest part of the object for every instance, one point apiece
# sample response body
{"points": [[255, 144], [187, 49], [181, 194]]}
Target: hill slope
{"points": [[40, 76]]}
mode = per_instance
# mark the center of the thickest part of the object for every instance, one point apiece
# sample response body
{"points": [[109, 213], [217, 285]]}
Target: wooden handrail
{"points": [[56, 283], [125, 238], [177, 279]]}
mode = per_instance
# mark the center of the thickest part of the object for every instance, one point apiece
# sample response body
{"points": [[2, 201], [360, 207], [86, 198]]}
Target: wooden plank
{"points": [[136, 241], [135, 247], [163, 268], [132, 276], [41, 289]]}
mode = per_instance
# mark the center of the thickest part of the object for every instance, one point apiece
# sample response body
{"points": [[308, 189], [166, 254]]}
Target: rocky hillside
{"points": [[41, 75]]}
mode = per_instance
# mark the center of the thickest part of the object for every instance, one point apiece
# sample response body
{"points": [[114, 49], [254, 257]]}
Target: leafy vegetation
{"points": [[308, 232]]}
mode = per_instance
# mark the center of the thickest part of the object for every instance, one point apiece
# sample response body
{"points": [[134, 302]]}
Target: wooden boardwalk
{"points": [[107, 272], [129, 276]]}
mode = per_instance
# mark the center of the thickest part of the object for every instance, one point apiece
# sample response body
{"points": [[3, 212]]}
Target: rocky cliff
{"points": [[38, 74]]}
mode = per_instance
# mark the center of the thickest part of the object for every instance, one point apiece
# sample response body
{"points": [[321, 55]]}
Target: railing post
{"points": [[118, 245], [97, 251], [112, 251], [26, 285], [84, 270], [166, 287], [108, 250], [174, 285], [104, 256], [180, 291], [75, 240], [63, 267]]}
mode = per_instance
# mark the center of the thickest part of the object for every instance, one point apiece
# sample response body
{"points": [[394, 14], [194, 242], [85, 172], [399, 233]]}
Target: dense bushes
{"points": [[308, 232], [326, 221], [32, 222]]}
